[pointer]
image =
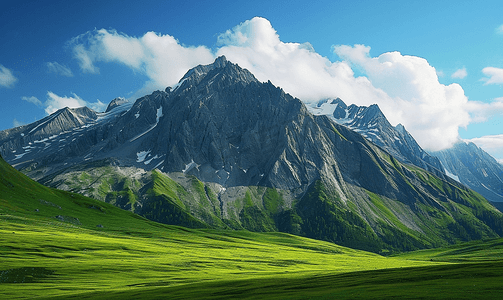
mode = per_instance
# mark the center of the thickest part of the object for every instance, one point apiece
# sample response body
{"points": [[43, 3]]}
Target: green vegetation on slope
{"points": [[55, 244], [324, 219], [473, 251]]}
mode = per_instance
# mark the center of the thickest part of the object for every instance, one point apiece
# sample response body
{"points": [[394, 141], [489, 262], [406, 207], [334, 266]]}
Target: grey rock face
{"points": [[222, 125], [22, 143], [475, 168]]}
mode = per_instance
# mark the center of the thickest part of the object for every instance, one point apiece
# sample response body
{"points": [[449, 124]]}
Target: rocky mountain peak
{"points": [[221, 71], [371, 122], [115, 103], [400, 128]]}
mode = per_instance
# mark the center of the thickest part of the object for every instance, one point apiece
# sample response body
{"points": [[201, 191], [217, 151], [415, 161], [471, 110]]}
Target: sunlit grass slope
{"points": [[65, 244], [55, 244]]}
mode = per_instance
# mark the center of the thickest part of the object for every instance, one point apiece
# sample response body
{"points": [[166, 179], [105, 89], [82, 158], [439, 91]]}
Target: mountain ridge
{"points": [[233, 152]]}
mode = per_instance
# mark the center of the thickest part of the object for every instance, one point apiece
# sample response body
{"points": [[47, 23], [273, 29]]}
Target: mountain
{"points": [[464, 162], [373, 125], [475, 168], [223, 150], [116, 103], [35, 137]]}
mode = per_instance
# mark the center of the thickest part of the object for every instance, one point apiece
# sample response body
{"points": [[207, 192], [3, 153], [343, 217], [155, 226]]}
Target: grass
{"points": [[82, 260], [114, 254], [490, 250]]}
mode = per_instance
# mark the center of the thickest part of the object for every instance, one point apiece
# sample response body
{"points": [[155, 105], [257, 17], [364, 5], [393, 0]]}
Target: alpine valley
{"points": [[222, 150]]}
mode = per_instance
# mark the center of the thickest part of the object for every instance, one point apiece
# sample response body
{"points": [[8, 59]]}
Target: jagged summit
{"points": [[115, 103], [372, 124], [220, 69], [400, 128]]}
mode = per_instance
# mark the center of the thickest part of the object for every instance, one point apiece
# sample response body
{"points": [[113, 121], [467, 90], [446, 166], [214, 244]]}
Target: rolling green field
{"points": [[55, 244]]}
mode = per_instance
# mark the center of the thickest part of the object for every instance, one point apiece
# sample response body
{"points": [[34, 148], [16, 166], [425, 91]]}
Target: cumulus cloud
{"points": [[495, 75], [461, 73], [7, 79], [492, 144], [405, 87], [296, 67], [55, 102], [431, 111], [33, 100], [160, 57], [481, 111], [57, 68]]}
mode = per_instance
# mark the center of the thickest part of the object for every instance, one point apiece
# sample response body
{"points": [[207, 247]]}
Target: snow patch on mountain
{"points": [[176, 86], [158, 115], [451, 175], [140, 156], [148, 161]]}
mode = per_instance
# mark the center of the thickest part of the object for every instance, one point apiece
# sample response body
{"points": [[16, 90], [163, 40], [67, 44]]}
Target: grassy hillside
{"points": [[55, 244], [475, 251], [396, 207]]}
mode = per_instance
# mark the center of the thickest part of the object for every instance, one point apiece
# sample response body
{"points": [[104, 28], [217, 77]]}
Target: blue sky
{"points": [[434, 66]]}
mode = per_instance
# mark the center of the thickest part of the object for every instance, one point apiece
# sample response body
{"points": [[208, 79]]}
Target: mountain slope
{"points": [[475, 168], [373, 125], [231, 151]]}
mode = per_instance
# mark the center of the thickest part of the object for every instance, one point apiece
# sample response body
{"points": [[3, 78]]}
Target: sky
{"points": [[434, 66]]}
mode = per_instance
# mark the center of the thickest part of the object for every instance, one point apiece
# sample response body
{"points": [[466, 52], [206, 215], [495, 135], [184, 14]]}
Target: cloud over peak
{"points": [[431, 111], [55, 102], [160, 57], [405, 87]]}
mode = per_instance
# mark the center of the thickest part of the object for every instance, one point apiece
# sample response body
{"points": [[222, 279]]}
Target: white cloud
{"points": [[405, 87], [461, 73], [97, 106], [33, 100], [481, 111], [499, 29], [431, 111], [55, 67], [495, 75], [492, 144], [160, 57], [7, 79], [55, 102]]}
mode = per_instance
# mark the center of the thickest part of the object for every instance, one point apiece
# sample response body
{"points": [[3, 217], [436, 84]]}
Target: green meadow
{"points": [[55, 244]]}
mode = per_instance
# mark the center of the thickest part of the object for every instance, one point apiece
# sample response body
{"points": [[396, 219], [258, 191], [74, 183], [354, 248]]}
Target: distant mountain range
{"points": [[475, 168], [221, 149], [373, 125], [465, 162]]}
